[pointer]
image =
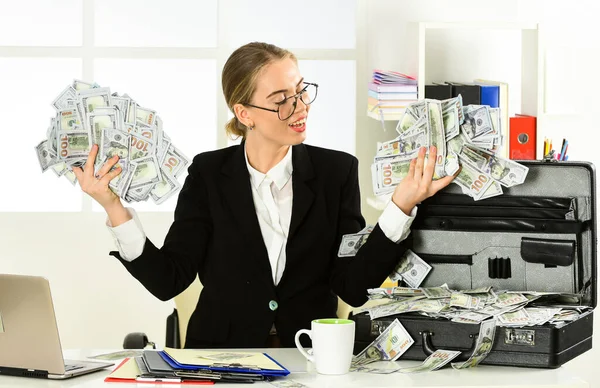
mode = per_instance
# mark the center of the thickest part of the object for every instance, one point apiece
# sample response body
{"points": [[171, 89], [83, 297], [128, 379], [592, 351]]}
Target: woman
{"points": [[261, 223]]}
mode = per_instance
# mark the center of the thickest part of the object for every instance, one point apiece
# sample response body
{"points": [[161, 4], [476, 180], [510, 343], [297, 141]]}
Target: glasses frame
{"points": [[295, 97]]}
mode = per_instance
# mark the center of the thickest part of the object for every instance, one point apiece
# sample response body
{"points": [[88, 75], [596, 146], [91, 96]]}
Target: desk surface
{"points": [[303, 372]]}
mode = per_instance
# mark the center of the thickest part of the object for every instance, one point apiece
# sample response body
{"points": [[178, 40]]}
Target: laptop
{"points": [[29, 341]]}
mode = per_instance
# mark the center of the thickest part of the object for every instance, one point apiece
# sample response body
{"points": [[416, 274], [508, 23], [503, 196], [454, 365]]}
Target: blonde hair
{"points": [[239, 76]]}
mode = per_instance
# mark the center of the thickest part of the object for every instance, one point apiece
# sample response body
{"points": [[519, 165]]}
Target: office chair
{"points": [[177, 321]]}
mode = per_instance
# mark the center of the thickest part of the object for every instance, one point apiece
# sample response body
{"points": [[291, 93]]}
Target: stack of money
{"points": [[87, 114], [509, 308], [464, 136]]}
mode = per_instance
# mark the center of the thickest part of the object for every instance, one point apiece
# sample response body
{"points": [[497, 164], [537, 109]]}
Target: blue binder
{"points": [[228, 368], [490, 95]]}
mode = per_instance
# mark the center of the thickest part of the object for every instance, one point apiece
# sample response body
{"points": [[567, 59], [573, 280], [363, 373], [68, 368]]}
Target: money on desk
{"points": [[87, 114]]}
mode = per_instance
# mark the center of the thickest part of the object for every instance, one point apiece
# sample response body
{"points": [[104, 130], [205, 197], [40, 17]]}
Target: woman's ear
{"points": [[243, 115]]}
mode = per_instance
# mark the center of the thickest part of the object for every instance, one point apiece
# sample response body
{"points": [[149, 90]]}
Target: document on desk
{"points": [[128, 372], [212, 358]]}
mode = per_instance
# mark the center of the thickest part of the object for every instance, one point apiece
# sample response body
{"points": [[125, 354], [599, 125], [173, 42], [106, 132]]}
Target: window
{"points": [[168, 56]]}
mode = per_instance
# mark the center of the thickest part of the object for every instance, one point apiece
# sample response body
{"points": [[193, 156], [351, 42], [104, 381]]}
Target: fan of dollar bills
{"points": [[87, 114], [467, 136]]}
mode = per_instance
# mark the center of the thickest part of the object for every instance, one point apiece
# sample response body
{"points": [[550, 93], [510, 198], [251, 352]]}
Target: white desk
{"points": [[303, 372]]}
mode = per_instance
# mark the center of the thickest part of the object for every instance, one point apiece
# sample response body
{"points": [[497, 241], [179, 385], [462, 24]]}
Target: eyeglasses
{"points": [[286, 108]]}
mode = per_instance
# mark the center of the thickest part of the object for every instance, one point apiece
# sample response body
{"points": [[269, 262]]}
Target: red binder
{"points": [[522, 138]]}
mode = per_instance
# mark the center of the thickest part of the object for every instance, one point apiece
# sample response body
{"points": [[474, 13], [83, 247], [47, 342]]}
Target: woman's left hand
{"points": [[419, 184]]}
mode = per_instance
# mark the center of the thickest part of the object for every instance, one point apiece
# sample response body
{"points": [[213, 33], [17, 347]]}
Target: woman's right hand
{"points": [[96, 186]]}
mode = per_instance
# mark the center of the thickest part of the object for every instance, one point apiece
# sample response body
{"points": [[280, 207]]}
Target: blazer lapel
{"points": [[237, 192], [303, 192]]}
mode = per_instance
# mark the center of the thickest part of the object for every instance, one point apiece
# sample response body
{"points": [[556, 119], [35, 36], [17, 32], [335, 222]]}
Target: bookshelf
{"points": [[511, 52]]}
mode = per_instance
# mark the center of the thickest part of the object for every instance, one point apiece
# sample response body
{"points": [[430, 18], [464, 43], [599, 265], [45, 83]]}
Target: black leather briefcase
{"points": [[538, 236]]}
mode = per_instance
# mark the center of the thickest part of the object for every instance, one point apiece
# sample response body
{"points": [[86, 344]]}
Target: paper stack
{"points": [[390, 93]]}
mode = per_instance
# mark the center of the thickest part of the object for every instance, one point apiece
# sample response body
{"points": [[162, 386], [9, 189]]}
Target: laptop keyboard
{"points": [[72, 367]]}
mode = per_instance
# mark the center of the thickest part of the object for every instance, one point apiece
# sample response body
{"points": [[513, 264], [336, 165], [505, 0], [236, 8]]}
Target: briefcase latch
{"points": [[519, 337]]}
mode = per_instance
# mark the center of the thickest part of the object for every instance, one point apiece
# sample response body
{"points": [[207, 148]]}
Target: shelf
{"points": [[464, 51]]}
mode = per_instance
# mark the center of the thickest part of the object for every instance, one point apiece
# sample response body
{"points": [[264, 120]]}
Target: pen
{"points": [[564, 155], [563, 149]]}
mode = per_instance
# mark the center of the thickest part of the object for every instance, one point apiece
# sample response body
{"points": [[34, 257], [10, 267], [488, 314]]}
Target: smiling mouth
{"points": [[299, 123]]}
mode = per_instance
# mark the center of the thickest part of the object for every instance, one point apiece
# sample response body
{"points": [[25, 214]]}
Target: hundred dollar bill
{"points": [[406, 147], [165, 188], [435, 361], [394, 291], [68, 120], [389, 345], [451, 124], [477, 122], [139, 194], [493, 190], [514, 318], [393, 308], [74, 145], [114, 142], [407, 121], [507, 172], [473, 181], [351, 243], [480, 290], [437, 136], [140, 147], [437, 292], [44, 155], [456, 143], [375, 367], [90, 99], [60, 102], [458, 103], [470, 317], [147, 172], [509, 299], [120, 184], [146, 116], [81, 85], [485, 341], [175, 162], [466, 301], [387, 174], [287, 384], [411, 268], [427, 305]]}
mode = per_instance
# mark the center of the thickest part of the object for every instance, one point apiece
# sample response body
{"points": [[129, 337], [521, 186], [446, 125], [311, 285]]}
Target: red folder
{"points": [[186, 382], [522, 138]]}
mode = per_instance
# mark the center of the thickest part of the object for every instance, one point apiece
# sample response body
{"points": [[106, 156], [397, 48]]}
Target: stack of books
{"points": [[390, 93]]}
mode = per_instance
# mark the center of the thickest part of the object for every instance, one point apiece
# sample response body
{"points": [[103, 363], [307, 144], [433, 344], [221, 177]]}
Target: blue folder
{"points": [[230, 368], [490, 95]]}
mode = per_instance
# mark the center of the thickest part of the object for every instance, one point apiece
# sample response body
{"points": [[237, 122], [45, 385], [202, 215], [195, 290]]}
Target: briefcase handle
{"points": [[429, 349]]}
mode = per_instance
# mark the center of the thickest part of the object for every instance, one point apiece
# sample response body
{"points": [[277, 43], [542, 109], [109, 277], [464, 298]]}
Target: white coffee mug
{"points": [[333, 342]]}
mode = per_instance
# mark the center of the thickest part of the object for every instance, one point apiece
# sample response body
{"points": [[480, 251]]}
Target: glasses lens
{"points": [[286, 110], [309, 94]]}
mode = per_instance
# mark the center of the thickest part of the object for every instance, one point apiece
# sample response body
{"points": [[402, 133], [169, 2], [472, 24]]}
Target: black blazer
{"points": [[216, 235]]}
